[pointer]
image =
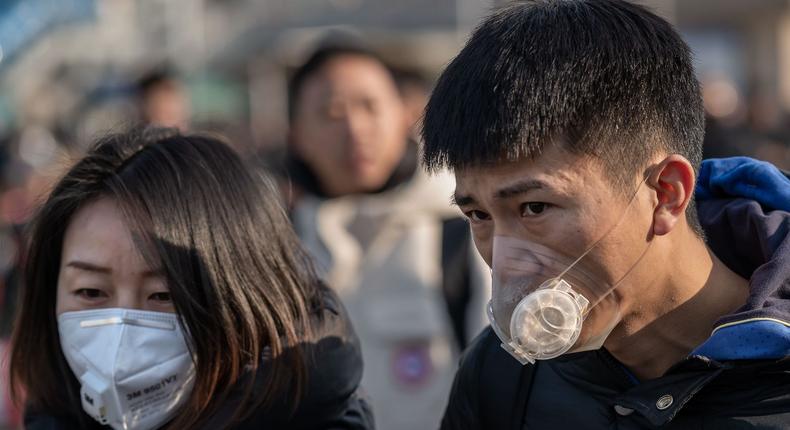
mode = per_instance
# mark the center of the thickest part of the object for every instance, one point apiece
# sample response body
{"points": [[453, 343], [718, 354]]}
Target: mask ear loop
{"points": [[617, 284], [605, 234]]}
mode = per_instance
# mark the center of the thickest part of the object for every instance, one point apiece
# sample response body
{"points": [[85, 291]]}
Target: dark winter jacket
{"points": [[738, 379], [332, 399]]}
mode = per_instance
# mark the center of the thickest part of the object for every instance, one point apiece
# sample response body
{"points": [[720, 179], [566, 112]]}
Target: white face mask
{"points": [[134, 366], [544, 298]]}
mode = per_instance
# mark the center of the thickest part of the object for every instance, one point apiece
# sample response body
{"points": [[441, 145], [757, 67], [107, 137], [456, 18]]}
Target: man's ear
{"points": [[673, 181]]}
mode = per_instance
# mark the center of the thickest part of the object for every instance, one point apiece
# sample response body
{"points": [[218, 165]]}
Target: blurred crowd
{"points": [[381, 231], [344, 150]]}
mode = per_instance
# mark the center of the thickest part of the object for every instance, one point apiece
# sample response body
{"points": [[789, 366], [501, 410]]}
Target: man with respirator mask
{"points": [[541, 300], [634, 286]]}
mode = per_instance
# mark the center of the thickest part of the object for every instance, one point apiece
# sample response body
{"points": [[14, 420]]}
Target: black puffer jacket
{"points": [[738, 379], [332, 399]]}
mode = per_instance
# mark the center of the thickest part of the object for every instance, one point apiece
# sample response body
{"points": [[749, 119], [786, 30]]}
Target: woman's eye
{"points": [[161, 297], [477, 216], [90, 293], [532, 209]]}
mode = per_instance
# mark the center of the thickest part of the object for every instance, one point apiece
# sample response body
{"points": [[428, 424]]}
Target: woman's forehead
{"points": [[98, 234]]}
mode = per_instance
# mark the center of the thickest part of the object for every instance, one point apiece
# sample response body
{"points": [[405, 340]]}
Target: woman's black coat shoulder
{"points": [[332, 399]]}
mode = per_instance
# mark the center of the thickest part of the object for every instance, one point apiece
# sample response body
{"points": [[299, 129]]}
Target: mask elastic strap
{"points": [[606, 233], [628, 272]]}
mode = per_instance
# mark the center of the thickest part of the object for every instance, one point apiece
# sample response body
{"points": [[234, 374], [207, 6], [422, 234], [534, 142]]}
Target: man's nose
{"points": [[356, 124], [507, 227]]}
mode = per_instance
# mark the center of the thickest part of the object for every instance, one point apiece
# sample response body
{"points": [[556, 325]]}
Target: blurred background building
{"points": [[71, 69]]}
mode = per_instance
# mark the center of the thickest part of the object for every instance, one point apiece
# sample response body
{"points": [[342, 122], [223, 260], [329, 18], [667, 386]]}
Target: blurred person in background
{"points": [[383, 234], [165, 288], [737, 125], [8, 250], [28, 159], [163, 100], [414, 89], [10, 239]]}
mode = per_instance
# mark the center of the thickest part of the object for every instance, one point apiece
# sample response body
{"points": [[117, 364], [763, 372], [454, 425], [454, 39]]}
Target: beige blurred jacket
{"points": [[382, 254]]}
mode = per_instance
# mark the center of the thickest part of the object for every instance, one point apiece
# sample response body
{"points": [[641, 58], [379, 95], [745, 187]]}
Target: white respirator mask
{"points": [[134, 367], [541, 298]]}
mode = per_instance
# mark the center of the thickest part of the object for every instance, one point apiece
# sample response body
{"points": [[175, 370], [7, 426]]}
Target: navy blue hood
{"points": [[744, 207]]}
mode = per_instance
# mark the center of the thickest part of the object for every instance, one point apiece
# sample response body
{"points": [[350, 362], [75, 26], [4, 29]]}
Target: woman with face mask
{"points": [[166, 289]]}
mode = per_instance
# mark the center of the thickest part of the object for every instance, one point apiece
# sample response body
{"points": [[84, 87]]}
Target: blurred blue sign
{"points": [[22, 22]]}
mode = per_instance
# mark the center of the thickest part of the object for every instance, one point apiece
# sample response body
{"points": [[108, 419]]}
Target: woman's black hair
{"points": [[239, 279]]}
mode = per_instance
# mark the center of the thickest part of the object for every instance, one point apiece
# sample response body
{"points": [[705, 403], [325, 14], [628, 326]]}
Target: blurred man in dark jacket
{"points": [[574, 129]]}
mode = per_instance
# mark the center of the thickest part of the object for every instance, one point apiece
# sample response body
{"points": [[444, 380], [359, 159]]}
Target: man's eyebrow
{"points": [[88, 267], [512, 190], [461, 199], [519, 188]]}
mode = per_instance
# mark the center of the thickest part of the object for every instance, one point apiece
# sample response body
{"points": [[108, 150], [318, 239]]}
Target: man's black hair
{"points": [[606, 78], [153, 79], [326, 52]]}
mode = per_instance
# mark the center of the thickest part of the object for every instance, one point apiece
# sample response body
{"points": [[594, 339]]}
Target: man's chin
{"points": [[361, 185], [367, 181]]}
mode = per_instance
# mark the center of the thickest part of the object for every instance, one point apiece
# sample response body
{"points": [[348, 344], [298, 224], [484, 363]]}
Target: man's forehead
{"points": [[351, 71], [555, 169]]}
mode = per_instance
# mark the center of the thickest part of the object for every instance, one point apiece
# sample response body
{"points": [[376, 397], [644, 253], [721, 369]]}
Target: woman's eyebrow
{"points": [[88, 267], [97, 268]]}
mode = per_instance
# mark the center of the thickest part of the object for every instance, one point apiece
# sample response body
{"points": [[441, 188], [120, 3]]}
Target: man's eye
{"points": [[371, 106], [477, 216], [334, 111], [161, 297], [532, 209], [90, 293]]}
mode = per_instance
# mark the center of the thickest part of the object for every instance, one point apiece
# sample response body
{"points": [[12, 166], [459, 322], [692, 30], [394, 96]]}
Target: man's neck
{"points": [[671, 316]]}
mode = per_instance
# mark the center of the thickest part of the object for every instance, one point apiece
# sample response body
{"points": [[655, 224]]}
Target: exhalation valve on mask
{"points": [[548, 322]]}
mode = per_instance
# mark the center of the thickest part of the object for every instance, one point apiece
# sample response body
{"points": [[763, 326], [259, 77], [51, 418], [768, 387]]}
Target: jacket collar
{"points": [[743, 207]]}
